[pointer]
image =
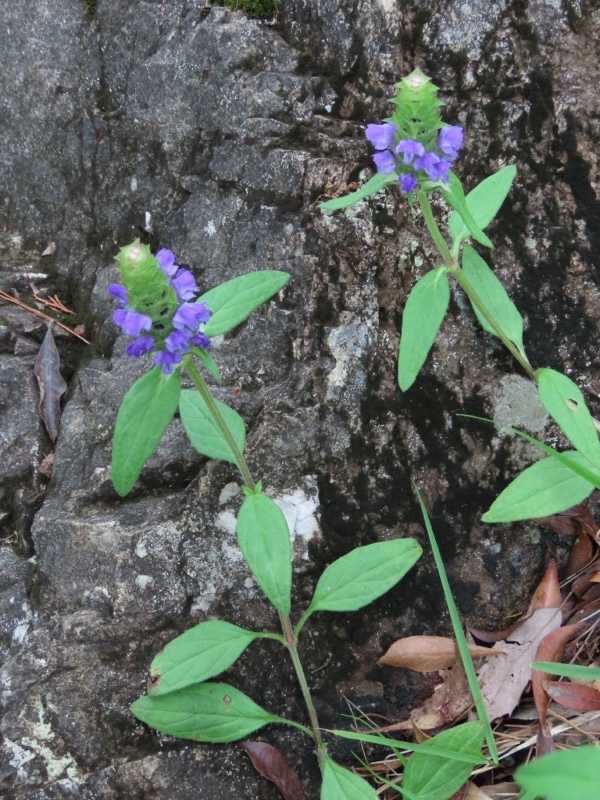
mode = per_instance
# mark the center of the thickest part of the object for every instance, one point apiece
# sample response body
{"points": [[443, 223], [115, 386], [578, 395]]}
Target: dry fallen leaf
{"points": [[272, 765], [51, 383], [575, 696], [504, 679], [428, 653], [50, 250]]}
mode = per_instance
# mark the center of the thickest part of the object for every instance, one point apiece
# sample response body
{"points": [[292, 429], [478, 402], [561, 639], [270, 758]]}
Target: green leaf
{"points": [[493, 295], [454, 195], [145, 412], [208, 362], [434, 777], [202, 430], [483, 202], [198, 654], [565, 403], [397, 744], [233, 301], [264, 539], [546, 487], [424, 312], [341, 784], [206, 712], [568, 670], [373, 185], [365, 573], [564, 775]]}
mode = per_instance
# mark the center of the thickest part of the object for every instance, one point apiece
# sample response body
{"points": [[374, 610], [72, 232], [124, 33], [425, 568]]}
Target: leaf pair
{"points": [[151, 402], [561, 480], [428, 300]]}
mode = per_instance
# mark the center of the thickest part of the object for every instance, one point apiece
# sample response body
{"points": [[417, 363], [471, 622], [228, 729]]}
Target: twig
{"points": [[41, 314]]}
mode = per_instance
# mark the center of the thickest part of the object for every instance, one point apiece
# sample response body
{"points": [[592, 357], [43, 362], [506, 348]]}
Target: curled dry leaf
{"points": [[51, 383], [272, 765], [50, 250], [575, 696], [547, 593], [428, 653]]}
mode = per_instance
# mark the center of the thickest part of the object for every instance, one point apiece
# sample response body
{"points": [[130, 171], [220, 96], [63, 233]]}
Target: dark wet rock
{"points": [[203, 131]]}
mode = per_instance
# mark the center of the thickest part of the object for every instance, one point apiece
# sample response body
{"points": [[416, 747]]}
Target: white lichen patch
{"points": [[37, 746], [21, 620], [300, 508], [142, 581], [347, 345]]}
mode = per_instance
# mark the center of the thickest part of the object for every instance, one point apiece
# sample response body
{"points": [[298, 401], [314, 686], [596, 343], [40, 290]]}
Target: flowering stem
{"points": [[206, 395], [292, 645], [455, 270]]}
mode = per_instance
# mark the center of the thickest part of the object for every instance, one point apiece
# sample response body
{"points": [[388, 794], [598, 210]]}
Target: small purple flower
{"points": [[408, 182], [119, 293], [166, 261], [200, 340], [168, 360], [381, 136], [132, 322], [410, 148], [140, 347], [184, 284], [450, 140], [177, 342], [385, 161], [435, 167], [188, 316]]}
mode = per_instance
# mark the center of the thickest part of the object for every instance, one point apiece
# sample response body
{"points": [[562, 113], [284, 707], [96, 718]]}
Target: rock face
{"points": [[214, 135]]}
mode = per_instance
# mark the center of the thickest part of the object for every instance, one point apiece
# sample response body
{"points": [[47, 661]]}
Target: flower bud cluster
{"points": [[157, 306], [409, 159]]}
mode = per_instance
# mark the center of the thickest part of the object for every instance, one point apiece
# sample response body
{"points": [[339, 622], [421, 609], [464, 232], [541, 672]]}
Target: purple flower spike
{"points": [[381, 136], [166, 261], [131, 322], [410, 148], [140, 347], [168, 360], [184, 284], [408, 182], [385, 161], [119, 293], [450, 140]]}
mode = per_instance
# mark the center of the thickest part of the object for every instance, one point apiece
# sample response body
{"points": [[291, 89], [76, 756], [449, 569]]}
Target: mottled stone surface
{"points": [[214, 135]]}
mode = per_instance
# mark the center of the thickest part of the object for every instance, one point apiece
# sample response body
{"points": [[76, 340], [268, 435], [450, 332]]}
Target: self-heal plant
{"points": [[158, 307], [415, 150]]}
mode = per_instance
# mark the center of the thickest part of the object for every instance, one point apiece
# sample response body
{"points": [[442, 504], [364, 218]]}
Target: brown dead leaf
{"points": [[272, 765], [51, 383], [575, 696], [581, 554], [547, 593], [475, 793], [428, 653], [504, 679]]}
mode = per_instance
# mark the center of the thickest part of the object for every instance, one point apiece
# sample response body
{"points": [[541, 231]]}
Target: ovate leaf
{"points": [[454, 195], [435, 777], [483, 202], [365, 573], [203, 431], [547, 487], [493, 295], [233, 301], [565, 403], [424, 312], [564, 775], [341, 784], [198, 654], [264, 539], [206, 712], [145, 412], [373, 185]]}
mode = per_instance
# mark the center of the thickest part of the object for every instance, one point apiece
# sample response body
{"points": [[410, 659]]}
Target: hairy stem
{"points": [[455, 270], [292, 646]]}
